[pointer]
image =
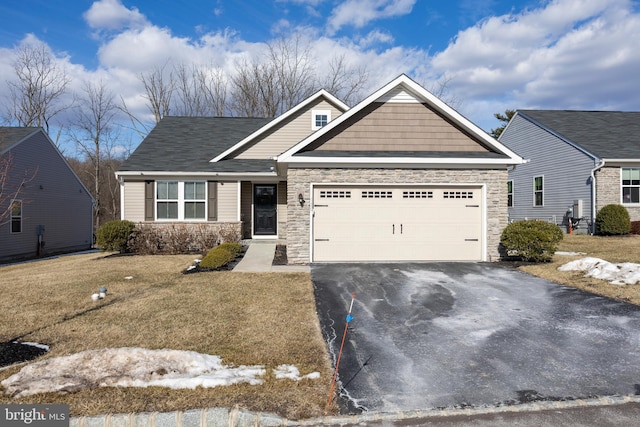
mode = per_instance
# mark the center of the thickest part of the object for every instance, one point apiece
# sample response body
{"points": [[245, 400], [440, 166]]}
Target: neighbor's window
{"points": [[510, 193], [181, 200], [167, 200], [320, 118], [194, 200], [16, 216], [630, 185], [538, 191]]}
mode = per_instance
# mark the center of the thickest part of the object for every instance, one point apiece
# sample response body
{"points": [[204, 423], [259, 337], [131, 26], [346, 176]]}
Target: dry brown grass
{"points": [[245, 318], [614, 249]]}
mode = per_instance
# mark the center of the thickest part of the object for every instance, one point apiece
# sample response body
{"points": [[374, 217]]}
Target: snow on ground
{"points": [[136, 367], [626, 273]]}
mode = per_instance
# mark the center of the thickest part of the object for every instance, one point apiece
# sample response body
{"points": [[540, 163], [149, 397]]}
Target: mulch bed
{"points": [[14, 352], [280, 257]]}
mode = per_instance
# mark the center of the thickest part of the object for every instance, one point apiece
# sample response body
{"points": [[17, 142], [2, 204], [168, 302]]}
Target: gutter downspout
{"points": [[599, 166]]}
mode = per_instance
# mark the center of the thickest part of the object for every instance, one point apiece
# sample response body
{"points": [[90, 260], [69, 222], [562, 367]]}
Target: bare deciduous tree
{"points": [[40, 85], [345, 83], [94, 134], [201, 91], [159, 90], [12, 182]]}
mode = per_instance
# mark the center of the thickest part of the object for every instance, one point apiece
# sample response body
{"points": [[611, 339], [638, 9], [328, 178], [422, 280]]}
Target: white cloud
{"points": [[565, 54], [359, 13], [113, 15]]}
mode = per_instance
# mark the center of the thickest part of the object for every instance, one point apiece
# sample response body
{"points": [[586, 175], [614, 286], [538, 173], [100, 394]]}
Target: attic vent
{"points": [[377, 194], [417, 194], [458, 195], [335, 194]]}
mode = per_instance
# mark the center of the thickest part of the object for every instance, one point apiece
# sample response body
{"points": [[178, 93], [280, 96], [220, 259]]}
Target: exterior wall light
{"points": [[301, 200]]}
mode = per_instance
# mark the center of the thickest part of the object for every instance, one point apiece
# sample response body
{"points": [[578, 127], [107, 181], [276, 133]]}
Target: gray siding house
{"points": [[48, 209], [400, 176], [577, 162]]}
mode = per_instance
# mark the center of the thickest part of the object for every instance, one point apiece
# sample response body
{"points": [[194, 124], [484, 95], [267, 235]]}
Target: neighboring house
{"points": [[578, 162], [399, 177], [49, 209]]}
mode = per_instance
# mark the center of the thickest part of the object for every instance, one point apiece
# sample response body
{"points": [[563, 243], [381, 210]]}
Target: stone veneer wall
{"points": [[299, 181], [608, 191]]}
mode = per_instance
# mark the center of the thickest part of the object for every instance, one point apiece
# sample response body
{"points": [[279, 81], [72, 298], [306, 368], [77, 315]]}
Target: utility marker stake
{"points": [[335, 374]]}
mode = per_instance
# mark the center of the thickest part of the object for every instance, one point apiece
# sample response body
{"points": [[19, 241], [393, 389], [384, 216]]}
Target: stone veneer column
{"points": [[299, 182]]}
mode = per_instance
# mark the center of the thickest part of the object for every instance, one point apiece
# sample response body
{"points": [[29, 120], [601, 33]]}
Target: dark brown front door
{"points": [[265, 210]]}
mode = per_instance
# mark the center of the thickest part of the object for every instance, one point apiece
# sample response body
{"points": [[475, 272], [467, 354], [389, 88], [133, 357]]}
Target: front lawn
{"points": [[264, 319], [615, 249]]}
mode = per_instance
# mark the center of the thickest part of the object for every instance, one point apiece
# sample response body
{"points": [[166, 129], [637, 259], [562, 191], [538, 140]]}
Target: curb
{"points": [[224, 417]]}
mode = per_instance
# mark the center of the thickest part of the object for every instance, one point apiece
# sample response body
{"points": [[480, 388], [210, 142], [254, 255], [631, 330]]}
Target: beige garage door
{"points": [[397, 224]]}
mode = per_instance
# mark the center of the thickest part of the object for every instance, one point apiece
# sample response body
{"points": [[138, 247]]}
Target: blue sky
{"points": [[551, 54]]}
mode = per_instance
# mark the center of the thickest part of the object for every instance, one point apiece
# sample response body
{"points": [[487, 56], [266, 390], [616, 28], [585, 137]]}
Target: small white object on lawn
{"points": [[95, 297], [129, 277]]}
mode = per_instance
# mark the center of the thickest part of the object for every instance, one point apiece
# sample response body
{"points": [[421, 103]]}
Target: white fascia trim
{"points": [[201, 174], [622, 160], [420, 92], [281, 118], [389, 161]]}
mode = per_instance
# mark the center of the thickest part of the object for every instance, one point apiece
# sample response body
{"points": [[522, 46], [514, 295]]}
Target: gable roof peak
{"points": [[319, 94]]}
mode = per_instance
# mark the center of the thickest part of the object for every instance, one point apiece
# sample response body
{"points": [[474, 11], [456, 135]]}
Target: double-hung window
{"points": [[510, 193], [538, 191], [16, 216], [194, 200], [630, 185], [181, 200]]}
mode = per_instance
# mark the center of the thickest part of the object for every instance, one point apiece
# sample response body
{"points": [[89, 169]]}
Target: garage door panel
{"points": [[367, 223]]}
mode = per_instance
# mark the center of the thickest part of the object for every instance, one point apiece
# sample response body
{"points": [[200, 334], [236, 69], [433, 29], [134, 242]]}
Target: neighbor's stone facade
{"points": [[609, 191], [299, 181]]}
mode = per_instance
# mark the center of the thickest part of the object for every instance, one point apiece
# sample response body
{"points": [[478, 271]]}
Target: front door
{"points": [[265, 210]]}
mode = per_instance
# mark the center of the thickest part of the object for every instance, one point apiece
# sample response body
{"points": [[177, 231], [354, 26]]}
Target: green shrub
{"points": [[234, 248], [217, 257], [613, 220], [114, 235], [531, 240]]}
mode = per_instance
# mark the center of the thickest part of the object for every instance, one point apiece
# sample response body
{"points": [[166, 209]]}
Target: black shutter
{"points": [[149, 211], [212, 189]]}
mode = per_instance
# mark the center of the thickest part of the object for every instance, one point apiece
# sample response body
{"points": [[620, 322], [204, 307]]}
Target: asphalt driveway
{"points": [[447, 335]]}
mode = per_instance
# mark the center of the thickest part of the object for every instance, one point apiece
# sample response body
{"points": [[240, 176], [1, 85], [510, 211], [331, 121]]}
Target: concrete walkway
{"points": [[259, 258]]}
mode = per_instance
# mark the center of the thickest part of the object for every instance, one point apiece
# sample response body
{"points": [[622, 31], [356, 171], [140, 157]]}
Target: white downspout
{"points": [[593, 195]]}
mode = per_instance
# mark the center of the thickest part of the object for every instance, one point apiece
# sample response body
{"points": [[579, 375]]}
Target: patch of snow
{"points": [[626, 273], [34, 344], [291, 372], [191, 267], [570, 253], [135, 367]]}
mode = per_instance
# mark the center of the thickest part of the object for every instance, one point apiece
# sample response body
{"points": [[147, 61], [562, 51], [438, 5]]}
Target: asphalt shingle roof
{"points": [[187, 144], [11, 135], [606, 134]]}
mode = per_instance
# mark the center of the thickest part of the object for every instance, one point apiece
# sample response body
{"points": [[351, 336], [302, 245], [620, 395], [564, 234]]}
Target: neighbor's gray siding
{"points": [[566, 171], [54, 198]]}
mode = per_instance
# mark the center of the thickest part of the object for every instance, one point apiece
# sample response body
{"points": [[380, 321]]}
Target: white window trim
{"points": [[11, 217], [622, 187], [512, 193], [315, 113], [181, 201], [534, 191]]}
